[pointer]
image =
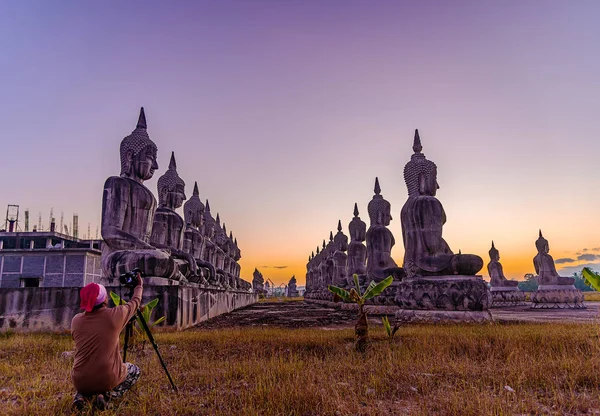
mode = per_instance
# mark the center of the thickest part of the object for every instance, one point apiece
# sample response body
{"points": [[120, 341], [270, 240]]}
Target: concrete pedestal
{"points": [[557, 297], [507, 296]]}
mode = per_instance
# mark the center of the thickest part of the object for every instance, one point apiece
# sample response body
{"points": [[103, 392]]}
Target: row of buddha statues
{"points": [[157, 240], [427, 255]]}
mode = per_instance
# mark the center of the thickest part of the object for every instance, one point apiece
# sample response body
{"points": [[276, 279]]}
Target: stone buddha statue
{"points": [[340, 258], [308, 276], [258, 282], [209, 244], [494, 267], [193, 213], [426, 252], [128, 209], [327, 262], [168, 226], [544, 265], [292, 290], [221, 249], [357, 251], [380, 239], [316, 271]]}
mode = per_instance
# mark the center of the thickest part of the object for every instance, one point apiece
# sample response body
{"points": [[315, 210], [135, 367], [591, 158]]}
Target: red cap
{"points": [[88, 296]]}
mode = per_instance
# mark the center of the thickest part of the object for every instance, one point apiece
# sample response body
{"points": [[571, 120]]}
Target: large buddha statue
{"points": [[193, 213], [357, 251], [495, 271], [168, 226], [544, 265], [426, 252], [380, 239], [340, 258], [128, 209]]}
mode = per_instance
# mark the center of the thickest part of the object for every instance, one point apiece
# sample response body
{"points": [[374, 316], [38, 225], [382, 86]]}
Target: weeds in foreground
{"points": [[437, 370]]}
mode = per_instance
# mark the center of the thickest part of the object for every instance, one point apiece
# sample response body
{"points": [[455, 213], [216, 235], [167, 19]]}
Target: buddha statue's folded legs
{"points": [[150, 262]]}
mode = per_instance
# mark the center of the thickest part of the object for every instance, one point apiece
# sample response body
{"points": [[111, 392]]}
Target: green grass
{"points": [[445, 370]]}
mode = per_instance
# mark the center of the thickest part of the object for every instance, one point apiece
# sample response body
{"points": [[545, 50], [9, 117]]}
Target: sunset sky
{"points": [[285, 112]]}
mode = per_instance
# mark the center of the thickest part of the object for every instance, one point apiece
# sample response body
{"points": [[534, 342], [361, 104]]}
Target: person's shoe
{"points": [[101, 402], [78, 402]]}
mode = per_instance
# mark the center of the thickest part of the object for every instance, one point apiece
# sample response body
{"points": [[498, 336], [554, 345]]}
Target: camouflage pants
{"points": [[133, 374]]}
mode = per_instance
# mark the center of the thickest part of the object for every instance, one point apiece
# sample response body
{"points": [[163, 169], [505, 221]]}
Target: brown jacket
{"points": [[98, 366]]}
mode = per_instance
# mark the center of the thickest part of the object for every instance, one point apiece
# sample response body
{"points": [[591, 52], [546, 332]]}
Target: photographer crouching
{"points": [[98, 368]]}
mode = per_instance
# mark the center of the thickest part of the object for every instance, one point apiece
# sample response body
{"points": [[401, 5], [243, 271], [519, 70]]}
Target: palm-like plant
{"points": [[591, 278], [361, 329]]}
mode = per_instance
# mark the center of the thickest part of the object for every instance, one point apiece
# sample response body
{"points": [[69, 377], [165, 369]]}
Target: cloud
{"points": [[565, 260], [588, 257], [280, 267], [569, 270], [585, 249], [596, 249]]}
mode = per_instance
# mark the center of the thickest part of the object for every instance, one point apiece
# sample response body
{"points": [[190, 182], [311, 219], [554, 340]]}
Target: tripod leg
{"points": [[153, 342], [128, 331]]}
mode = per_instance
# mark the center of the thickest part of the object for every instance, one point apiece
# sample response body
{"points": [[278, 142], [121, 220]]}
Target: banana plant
{"points": [[389, 330], [146, 311], [361, 329], [591, 278]]}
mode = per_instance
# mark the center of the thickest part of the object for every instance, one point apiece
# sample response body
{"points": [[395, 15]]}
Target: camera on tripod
{"points": [[129, 279]]}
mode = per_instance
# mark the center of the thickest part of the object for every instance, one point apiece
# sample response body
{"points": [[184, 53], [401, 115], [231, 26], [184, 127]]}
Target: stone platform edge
{"points": [[51, 309]]}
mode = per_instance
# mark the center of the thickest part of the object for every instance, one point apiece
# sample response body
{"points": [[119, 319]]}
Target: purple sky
{"points": [[284, 112]]}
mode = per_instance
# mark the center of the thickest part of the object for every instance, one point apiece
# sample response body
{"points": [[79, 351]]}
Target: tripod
{"points": [[129, 332]]}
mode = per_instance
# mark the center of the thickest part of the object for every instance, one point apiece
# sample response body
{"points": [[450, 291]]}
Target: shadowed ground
{"points": [[301, 314]]}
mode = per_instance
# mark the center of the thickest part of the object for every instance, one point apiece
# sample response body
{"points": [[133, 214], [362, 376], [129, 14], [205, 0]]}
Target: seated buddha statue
{"points": [[544, 265], [340, 258], [220, 241], [495, 271], [423, 217], [209, 254], [380, 239], [128, 209], [193, 213], [357, 251], [168, 226]]}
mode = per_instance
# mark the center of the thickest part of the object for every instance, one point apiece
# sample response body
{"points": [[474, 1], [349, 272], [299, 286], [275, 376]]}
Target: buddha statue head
{"points": [[340, 240], [209, 223], [237, 253], [171, 188], [542, 244], [220, 236], [420, 174], [193, 209], [357, 227], [494, 253], [379, 209], [138, 153]]}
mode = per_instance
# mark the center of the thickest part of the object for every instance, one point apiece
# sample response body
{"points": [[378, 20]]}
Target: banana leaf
{"points": [[386, 325], [356, 283], [378, 288], [342, 293], [591, 278]]}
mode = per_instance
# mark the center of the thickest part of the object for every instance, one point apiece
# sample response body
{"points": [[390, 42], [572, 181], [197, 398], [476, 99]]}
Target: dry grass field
{"points": [[445, 370]]}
